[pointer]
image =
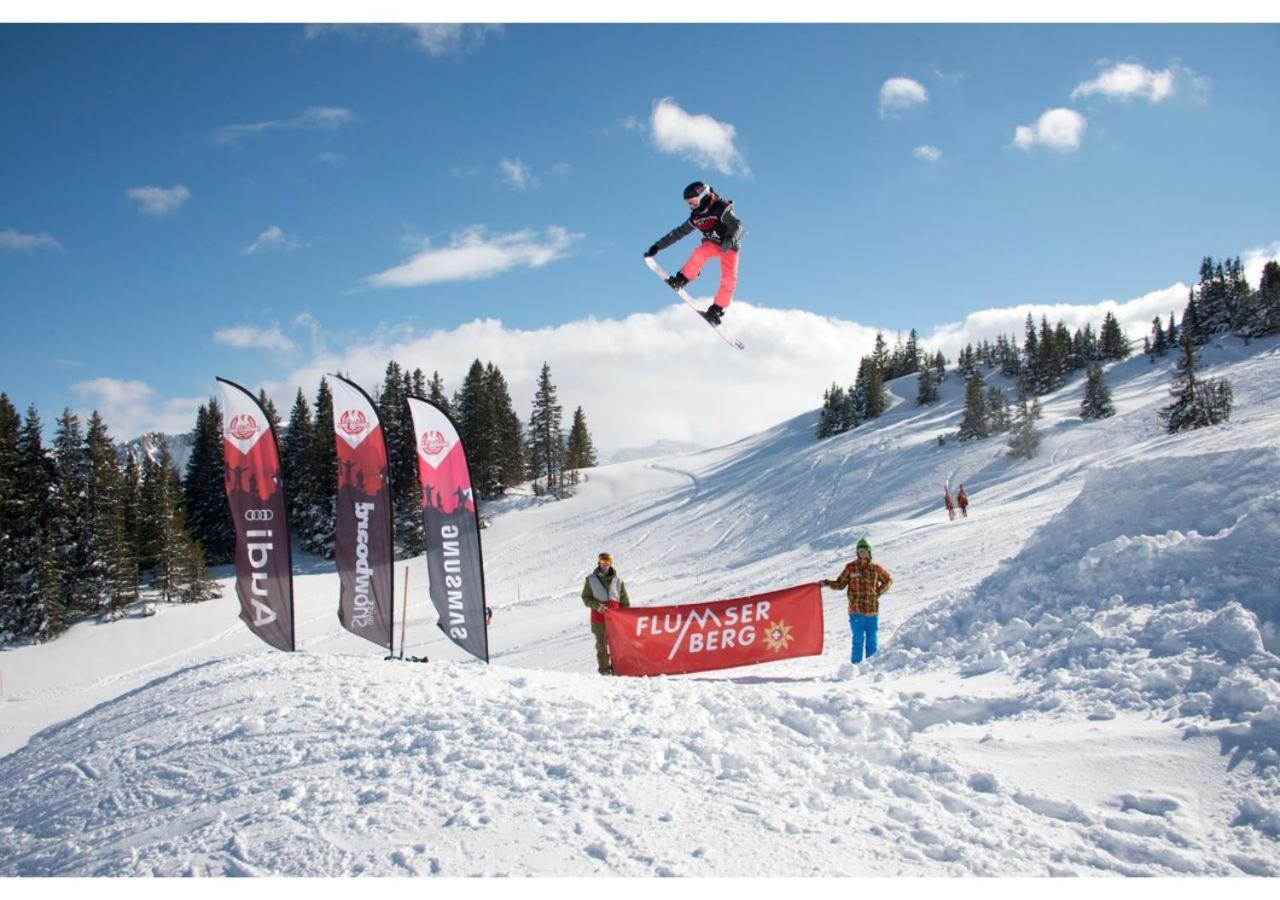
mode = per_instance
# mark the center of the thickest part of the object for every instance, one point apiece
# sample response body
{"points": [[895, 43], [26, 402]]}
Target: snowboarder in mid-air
{"points": [[721, 234]]}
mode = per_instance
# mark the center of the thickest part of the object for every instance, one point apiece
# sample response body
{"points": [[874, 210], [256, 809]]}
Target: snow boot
{"points": [[714, 314], [677, 282]]}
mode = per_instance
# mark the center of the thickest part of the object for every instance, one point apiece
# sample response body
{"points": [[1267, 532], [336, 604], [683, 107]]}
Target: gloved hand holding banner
{"points": [[698, 637]]}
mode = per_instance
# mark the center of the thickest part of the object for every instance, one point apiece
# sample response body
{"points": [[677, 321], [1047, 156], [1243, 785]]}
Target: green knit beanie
{"points": [[864, 544]]}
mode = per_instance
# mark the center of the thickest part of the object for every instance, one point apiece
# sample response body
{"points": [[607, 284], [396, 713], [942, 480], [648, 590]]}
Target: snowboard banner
{"points": [[363, 547], [255, 492], [455, 568], [698, 637]]}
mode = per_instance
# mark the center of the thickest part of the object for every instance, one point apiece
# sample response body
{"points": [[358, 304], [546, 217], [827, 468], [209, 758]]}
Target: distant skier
{"points": [[721, 235], [962, 500], [946, 499], [602, 590], [865, 581]]}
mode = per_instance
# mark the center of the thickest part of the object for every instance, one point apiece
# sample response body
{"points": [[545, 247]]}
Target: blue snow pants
{"points": [[864, 633]]}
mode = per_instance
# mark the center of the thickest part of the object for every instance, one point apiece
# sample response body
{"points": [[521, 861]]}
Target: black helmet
{"points": [[699, 191]]}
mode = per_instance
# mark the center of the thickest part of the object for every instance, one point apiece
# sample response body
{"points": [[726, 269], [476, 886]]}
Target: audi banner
{"points": [[255, 491], [455, 568], [697, 637], [363, 546]]}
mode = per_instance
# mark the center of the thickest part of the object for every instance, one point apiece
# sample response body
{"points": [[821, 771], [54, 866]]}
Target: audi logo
{"points": [[259, 515]]}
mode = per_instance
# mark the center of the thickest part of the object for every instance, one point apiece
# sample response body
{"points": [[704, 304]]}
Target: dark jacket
{"points": [[717, 222]]}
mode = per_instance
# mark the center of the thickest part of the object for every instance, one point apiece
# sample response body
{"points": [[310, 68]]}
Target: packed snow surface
{"points": [[1079, 678]]}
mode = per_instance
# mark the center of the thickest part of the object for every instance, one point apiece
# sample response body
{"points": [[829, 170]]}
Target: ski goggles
{"points": [[696, 199]]}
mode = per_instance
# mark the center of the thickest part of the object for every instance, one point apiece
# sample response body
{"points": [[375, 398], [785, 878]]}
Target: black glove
{"points": [[652, 251]]}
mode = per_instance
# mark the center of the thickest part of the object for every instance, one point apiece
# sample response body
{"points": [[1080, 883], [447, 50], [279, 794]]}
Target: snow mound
{"points": [[1151, 590]]}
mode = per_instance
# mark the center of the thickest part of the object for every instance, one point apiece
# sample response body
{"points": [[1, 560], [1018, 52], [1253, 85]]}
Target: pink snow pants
{"points": [[728, 269]]}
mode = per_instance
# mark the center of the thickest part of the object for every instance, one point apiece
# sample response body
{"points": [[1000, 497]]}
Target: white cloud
{"points": [[1133, 315], [476, 254], [251, 337], [131, 408], [273, 239], [517, 174], [315, 118], [437, 40], [157, 201], [332, 159], [10, 239], [1253, 261], [901, 93], [1125, 81], [925, 152], [608, 365], [700, 138], [451, 38], [1058, 129]]}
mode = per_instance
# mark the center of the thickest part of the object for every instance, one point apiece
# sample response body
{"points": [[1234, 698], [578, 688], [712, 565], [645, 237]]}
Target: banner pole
{"points": [[404, 609]]}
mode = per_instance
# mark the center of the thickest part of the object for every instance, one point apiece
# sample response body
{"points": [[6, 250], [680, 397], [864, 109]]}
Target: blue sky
{"points": [[185, 201]]}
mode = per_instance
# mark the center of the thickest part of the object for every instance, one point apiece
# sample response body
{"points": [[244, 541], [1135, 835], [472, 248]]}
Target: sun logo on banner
{"points": [[353, 422], [777, 635], [243, 427]]}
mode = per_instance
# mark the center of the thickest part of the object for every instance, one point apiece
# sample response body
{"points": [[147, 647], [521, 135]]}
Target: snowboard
{"points": [[718, 329]]}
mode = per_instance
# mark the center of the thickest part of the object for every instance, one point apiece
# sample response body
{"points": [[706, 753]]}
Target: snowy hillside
{"points": [[1079, 678]]}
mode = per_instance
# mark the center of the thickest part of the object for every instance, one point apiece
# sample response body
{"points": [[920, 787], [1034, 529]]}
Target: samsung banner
{"points": [[362, 547], [455, 569], [255, 491], [696, 637]]}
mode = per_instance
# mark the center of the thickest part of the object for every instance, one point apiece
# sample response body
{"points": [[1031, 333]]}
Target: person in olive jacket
{"points": [[864, 581], [603, 589]]}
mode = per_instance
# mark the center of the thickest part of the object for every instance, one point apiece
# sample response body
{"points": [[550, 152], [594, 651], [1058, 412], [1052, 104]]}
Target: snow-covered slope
{"points": [[1079, 678]]}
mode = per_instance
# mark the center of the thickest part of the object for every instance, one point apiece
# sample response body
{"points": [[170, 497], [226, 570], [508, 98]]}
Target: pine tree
{"points": [[1114, 343], [1191, 320], [546, 441], [436, 394], [911, 355], [997, 410], [1024, 438], [273, 415], [474, 405], [204, 486], [504, 425], [11, 513], [1097, 397], [581, 452], [973, 426], [320, 518], [1269, 294], [926, 388], [38, 610], [1171, 333], [1159, 343], [402, 460], [70, 526], [167, 546], [293, 459], [1196, 403], [112, 577]]}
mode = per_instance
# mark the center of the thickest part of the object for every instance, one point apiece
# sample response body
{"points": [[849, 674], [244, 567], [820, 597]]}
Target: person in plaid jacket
{"points": [[865, 581]]}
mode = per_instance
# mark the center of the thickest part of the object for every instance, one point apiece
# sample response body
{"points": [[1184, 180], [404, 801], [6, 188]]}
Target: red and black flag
{"points": [[363, 547], [455, 568], [255, 491]]}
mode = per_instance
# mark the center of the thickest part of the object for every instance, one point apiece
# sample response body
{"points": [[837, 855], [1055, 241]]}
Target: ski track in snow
{"points": [[1079, 678]]}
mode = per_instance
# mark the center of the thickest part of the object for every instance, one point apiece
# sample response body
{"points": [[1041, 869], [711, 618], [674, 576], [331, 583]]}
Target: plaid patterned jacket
{"points": [[865, 582]]}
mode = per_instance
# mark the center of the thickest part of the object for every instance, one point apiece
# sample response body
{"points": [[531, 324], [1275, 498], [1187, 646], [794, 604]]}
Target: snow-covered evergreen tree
{"points": [[1113, 343], [507, 430], [70, 526], [926, 387], [11, 512], [546, 440], [1024, 437], [112, 575], [1159, 345], [1196, 403], [973, 425], [581, 451], [1097, 402], [39, 610], [319, 520], [293, 458], [208, 513], [997, 410]]}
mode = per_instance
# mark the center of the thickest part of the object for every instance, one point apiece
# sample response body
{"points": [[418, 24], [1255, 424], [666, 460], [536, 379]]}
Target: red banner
{"points": [[698, 637]]}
